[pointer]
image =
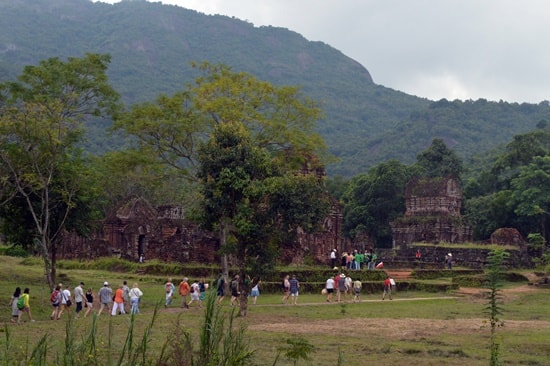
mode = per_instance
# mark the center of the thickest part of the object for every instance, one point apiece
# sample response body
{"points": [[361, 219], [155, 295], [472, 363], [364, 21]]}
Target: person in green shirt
{"points": [[359, 257], [27, 308]]}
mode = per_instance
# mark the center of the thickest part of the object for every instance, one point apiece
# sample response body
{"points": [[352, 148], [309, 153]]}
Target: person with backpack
{"points": [[55, 300], [13, 303], [24, 305]]}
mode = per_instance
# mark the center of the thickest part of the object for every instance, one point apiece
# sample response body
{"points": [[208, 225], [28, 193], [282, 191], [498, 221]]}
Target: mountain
{"points": [[152, 46]]}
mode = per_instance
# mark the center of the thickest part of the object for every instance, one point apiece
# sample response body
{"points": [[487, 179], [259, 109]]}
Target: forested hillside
{"points": [[152, 46]]}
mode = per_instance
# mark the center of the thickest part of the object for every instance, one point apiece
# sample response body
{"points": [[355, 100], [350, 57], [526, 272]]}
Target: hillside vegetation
{"points": [[152, 46]]}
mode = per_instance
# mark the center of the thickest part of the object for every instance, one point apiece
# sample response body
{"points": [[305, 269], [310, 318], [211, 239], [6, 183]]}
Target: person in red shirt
{"points": [[184, 289], [118, 304], [387, 288]]}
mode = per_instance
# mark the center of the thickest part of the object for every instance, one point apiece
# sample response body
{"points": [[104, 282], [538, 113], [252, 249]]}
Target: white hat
{"points": [[105, 283], [449, 254]]}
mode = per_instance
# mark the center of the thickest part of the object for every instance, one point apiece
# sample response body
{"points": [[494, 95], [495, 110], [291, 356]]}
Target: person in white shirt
{"points": [[66, 301], [332, 258], [135, 295], [330, 288], [78, 298]]}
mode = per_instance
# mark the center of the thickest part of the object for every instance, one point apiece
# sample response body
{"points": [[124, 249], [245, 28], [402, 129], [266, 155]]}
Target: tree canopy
{"points": [[42, 167]]}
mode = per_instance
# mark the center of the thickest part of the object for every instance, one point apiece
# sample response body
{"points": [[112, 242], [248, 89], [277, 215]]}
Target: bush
{"points": [[16, 251]]}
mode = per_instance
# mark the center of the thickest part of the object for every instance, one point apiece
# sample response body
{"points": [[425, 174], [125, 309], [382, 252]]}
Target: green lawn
{"points": [[413, 329]]}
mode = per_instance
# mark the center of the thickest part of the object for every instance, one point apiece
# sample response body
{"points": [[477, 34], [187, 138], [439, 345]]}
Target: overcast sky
{"points": [[454, 49]]}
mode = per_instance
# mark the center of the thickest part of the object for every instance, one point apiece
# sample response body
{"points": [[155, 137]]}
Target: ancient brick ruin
{"points": [[138, 229], [432, 213]]}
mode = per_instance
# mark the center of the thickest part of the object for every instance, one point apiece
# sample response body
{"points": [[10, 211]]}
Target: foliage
{"points": [[253, 199], [439, 161], [365, 123], [373, 200], [297, 348], [44, 175], [494, 307], [511, 193]]}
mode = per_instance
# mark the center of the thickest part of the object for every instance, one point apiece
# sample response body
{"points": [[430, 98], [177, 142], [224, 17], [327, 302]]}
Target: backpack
{"points": [[53, 298], [21, 303]]}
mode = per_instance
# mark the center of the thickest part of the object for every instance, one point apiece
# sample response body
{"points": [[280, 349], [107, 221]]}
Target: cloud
{"points": [[464, 49]]}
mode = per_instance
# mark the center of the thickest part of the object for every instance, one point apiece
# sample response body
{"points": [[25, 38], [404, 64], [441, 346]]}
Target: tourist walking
{"points": [[286, 289], [449, 261], [183, 290], [118, 302], [255, 292], [195, 293], [341, 287], [332, 258], [220, 291], [294, 289], [135, 295], [169, 291], [387, 288], [348, 288], [235, 291], [26, 306], [55, 299], [89, 301], [357, 285], [13, 303], [105, 295], [66, 301], [126, 296], [329, 286], [79, 298]]}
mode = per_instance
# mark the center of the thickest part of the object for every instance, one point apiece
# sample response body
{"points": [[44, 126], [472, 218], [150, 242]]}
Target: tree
{"points": [[41, 120], [531, 193], [439, 161], [278, 119], [495, 271], [375, 199], [252, 199]]}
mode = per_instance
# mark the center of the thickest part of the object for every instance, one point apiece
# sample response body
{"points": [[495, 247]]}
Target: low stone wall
{"points": [[434, 257]]}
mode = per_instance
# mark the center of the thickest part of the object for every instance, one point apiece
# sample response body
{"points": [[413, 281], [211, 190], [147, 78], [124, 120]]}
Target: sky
{"points": [[453, 49]]}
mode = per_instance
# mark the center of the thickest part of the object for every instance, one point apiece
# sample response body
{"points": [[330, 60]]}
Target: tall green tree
{"points": [[41, 124], [439, 161], [531, 192], [279, 119], [375, 199], [252, 199]]}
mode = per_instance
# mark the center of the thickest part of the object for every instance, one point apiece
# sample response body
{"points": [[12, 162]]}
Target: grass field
{"points": [[413, 329]]}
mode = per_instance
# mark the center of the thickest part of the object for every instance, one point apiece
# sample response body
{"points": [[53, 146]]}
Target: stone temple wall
{"points": [[432, 213]]}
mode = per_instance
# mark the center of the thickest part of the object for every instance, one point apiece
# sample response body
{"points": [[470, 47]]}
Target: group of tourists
{"points": [[195, 292], [354, 261], [343, 288], [190, 293], [20, 303]]}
